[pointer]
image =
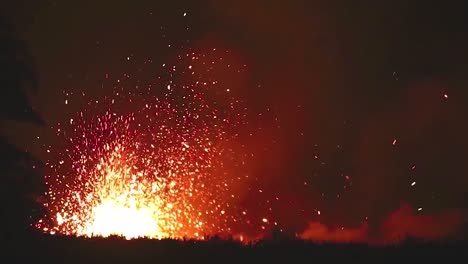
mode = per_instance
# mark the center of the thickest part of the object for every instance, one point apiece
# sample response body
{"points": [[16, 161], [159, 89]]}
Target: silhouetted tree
{"points": [[20, 176]]}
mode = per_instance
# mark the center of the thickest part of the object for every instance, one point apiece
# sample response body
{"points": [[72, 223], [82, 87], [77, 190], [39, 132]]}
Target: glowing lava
{"points": [[124, 206], [159, 170]]}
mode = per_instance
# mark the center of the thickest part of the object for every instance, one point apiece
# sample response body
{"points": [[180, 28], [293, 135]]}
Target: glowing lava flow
{"points": [[160, 171]]}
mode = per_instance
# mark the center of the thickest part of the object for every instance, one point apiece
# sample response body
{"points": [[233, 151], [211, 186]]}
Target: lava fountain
{"points": [[160, 170]]}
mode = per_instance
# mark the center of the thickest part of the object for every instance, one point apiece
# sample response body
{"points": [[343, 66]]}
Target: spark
{"points": [[413, 183]]}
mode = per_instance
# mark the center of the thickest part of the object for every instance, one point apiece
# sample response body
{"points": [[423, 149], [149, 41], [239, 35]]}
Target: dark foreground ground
{"points": [[56, 249]]}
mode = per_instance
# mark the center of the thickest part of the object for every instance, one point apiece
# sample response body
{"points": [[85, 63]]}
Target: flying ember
{"points": [[162, 169]]}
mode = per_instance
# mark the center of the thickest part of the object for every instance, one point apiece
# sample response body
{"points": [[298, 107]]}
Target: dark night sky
{"points": [[346, 79]]}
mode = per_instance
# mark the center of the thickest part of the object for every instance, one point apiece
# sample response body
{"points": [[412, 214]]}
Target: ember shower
{"points": [[166, 166]]}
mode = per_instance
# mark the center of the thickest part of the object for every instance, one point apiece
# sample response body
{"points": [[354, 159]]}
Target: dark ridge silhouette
{"points": [[63, 249], [21, 181]]}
